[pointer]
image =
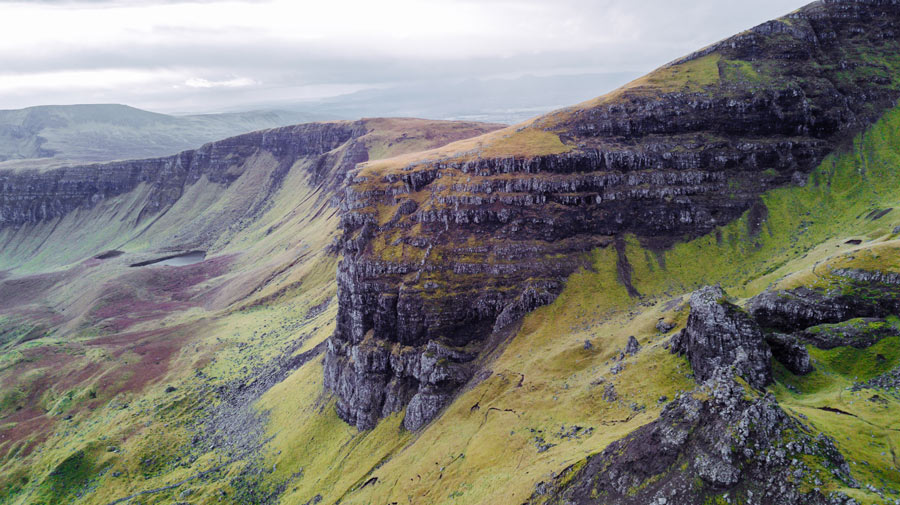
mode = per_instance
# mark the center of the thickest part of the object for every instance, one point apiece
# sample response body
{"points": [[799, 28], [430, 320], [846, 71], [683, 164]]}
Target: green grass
{"points": [[138, 437], [542, 383], [807, 227]]}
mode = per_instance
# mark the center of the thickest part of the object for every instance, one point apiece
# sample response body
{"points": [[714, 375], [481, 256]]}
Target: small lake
{"points": [[178, 260]]}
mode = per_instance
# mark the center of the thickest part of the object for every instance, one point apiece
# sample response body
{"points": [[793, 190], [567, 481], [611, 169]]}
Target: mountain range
{"points": [[67, 134]]}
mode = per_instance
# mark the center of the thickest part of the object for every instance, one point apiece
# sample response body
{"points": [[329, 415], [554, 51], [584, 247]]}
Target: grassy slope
{"points": [[103, 132], [483, 449], [479, 455], [245, 305], [486, 448]]}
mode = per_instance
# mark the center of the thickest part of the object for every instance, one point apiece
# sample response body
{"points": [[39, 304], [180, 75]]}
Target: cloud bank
{"points": [[206, 56]]}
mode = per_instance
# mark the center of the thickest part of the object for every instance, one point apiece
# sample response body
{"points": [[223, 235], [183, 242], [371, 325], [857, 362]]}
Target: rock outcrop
{"points": [[859, 333], [804, 307], [328, 150], [849, 313], [781, 324], [248, 171], [858, 294], [447, 249], [718, 440], [720, 334], [790, 352]]}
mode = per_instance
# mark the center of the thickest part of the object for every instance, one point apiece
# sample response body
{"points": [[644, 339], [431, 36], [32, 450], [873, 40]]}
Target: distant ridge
{"points": [[54, 134]]}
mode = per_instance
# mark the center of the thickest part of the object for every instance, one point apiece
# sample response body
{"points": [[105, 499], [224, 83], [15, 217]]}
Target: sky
{"points": [[209, 56]]}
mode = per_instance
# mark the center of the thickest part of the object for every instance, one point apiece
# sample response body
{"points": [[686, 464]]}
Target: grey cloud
{"points": [[662, 30]]}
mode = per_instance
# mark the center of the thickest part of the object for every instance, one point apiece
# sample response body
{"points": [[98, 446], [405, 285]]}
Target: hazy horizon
{"points": [[176, 56]]}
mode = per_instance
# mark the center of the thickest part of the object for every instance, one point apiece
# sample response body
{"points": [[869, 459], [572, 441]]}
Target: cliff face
{"points": [[444, 250], [325, 151], [31, 196]]}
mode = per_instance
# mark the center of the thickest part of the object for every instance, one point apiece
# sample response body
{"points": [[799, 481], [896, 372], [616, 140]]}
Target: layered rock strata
{"points": [[327, 152], [32, 196], [864, 294], [444, 250]]}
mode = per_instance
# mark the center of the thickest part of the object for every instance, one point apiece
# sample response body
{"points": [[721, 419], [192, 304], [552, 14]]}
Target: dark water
{"points": [[109, 254], [178, 260]]}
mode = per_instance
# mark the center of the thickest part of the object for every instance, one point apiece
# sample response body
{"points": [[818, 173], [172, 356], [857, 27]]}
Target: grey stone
{"points": [[720, 334]]}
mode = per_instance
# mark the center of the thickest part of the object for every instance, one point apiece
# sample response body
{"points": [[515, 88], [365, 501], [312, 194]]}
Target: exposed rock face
{"points": [[790, 352], [862, 294], [328, 150], [719, 334], [447, 250], [27, 197], [381, 378], [803, 307], [709, 443]]}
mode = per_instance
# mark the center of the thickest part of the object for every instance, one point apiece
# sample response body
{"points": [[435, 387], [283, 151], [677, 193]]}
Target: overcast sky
{"points": [[200, 56]]}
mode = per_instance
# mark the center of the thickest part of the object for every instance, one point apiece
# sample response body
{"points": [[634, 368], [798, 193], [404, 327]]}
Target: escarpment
{"points": [[261, 161], [443, 250], [28, 196]]}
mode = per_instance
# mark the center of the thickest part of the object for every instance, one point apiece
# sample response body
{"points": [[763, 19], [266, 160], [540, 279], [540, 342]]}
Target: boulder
{"points": [[717, 441]]}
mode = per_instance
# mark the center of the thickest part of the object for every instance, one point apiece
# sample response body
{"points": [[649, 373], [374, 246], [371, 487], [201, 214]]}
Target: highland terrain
{"points": [[686, 291]]}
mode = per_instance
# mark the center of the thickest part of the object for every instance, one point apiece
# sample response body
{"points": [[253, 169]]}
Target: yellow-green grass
{"points": [[278, 272], [548, 350], [543, 380]]}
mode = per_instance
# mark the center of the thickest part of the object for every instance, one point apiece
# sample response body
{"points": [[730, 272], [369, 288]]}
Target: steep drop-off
{"points": [[90, 323], [749, 356], [215, 191], [445, 249]]}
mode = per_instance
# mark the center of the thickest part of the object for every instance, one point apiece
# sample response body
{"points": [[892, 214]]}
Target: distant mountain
{"points": [[685, 291], [55, 135], [492, 100], [103, 132]]}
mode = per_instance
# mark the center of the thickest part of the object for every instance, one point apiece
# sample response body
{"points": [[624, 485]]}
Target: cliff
{"points": [[444, 249], [28, 197], [141, 191]]}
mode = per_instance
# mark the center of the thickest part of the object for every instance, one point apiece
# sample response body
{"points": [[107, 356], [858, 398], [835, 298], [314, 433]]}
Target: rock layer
{"points": [[856, 294], [328, 151], [720, 334], [31, 196], [447, 249]]}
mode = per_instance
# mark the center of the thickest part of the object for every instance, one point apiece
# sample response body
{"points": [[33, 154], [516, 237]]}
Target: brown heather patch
{"points": [[24, 290]]}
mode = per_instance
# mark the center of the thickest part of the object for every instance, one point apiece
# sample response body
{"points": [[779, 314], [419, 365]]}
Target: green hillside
{"points": [[52, 135], [489, 441], [547, 280]]}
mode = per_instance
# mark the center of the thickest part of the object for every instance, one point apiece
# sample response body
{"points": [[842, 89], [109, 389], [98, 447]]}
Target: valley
{"points": [[684, 291]]}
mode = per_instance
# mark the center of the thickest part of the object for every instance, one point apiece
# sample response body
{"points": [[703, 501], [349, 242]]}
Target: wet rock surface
{"points": [[720, 334], [714, 441], [450, 250]]}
